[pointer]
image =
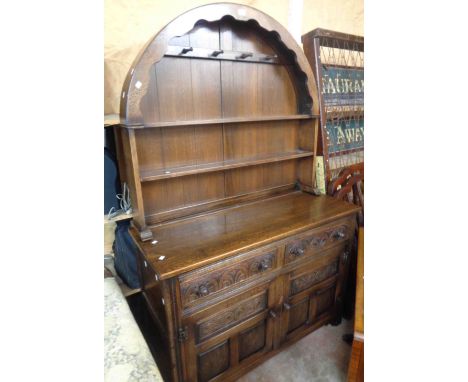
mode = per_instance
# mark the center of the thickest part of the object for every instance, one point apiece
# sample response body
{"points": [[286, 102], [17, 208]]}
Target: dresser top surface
{"points": [[185, 245]]}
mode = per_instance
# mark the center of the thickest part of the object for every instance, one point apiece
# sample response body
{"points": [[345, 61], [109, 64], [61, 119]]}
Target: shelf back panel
{"points": [[174, 193], [183, 89], [222, 107], [168, 147]]}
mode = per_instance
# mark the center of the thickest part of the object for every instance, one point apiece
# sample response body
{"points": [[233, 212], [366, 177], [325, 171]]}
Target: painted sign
{"points": [[345, 135], [342, 86]]}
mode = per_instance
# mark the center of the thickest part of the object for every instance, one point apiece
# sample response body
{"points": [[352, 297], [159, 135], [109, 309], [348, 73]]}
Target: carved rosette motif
{"points": [[232, 316], [224, 278], [317, 241], [306, 281]]}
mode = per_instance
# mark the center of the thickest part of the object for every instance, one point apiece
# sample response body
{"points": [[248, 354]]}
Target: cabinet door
{"points": [[228, 334], [311, 294]]}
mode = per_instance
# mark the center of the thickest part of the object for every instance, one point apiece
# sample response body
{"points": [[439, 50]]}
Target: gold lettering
{"points": [[344, 85], [357, 134], [349, 135], [340, 135], [357, 88], [324, 81], [337, 84], [330, 86]]}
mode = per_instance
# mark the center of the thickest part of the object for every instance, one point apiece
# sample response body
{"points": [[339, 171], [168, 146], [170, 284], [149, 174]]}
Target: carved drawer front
{"points": [[317, 241], [308, 280], [230, 317], [211, 281]]}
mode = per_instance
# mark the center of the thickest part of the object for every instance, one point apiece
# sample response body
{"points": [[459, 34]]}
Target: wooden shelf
{"points": [[166, 173], [232, 120]]}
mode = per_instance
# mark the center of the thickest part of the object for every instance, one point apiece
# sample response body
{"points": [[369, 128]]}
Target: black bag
{"points": [[125, 252]]}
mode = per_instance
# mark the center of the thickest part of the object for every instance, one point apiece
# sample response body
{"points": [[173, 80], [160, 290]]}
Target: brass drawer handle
{"points": [[297, 251], [264, 265], [203, 291], [338, 235]]}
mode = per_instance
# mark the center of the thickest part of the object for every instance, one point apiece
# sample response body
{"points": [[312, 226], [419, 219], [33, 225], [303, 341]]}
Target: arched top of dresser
{"points": [[136, 83]]}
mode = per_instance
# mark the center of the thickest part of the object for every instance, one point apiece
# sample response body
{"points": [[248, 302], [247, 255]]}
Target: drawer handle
{"points": [[319, 241], [338, 235], [272, 314], [297, 251], [286, 306], [203, 291], [264, 265]]}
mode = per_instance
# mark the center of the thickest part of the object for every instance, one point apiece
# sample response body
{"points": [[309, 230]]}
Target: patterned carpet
{"points": [[322, 356]]}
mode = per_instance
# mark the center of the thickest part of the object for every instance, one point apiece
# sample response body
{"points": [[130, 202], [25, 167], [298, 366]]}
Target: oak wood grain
{"points": [[205, 239]]}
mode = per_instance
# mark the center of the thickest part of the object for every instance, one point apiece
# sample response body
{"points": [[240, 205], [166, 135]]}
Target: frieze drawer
{"points": [[204, 284], [231, 316], [315, 277], [316, 242]]}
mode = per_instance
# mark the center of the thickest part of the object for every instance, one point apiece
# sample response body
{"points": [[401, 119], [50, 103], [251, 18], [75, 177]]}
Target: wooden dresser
{"points": [[217, 140]]}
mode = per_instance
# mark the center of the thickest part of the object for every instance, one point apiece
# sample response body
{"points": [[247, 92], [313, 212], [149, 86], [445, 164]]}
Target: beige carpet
{"points": [[322, 356]]}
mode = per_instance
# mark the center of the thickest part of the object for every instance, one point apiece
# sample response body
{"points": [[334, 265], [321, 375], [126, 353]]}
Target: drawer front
{"points": [[317, 240], [308, 280], [194, 288], [223, 320]]}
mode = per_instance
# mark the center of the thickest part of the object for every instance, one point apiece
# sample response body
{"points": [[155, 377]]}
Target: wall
{"points": [[128, 25]]}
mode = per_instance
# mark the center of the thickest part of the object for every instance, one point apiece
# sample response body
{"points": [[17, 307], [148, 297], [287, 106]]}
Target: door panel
{"points": [[298, 314], [324, 300], [213, 361], [310, 293], [252, 340]]}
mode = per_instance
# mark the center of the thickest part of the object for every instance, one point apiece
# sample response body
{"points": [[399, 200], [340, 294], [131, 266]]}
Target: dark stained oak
{"points": [[230, 120], [150, 175], [202, 240], [137, 82], [210, 132], [237, 256]]}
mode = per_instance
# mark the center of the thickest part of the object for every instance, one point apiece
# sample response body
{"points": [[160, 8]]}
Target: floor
{"points": [[322, 356]]}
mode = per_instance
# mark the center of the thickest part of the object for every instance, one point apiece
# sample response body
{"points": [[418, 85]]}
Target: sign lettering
{"points": [[345, 135], [342, 86]]}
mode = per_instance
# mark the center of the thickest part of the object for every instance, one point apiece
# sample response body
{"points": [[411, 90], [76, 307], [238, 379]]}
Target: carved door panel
{"points": [[229, 333], [311, 294]]}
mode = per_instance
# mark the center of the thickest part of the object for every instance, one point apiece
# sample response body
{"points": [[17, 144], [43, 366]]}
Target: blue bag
{"points": [[125, 252]]}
